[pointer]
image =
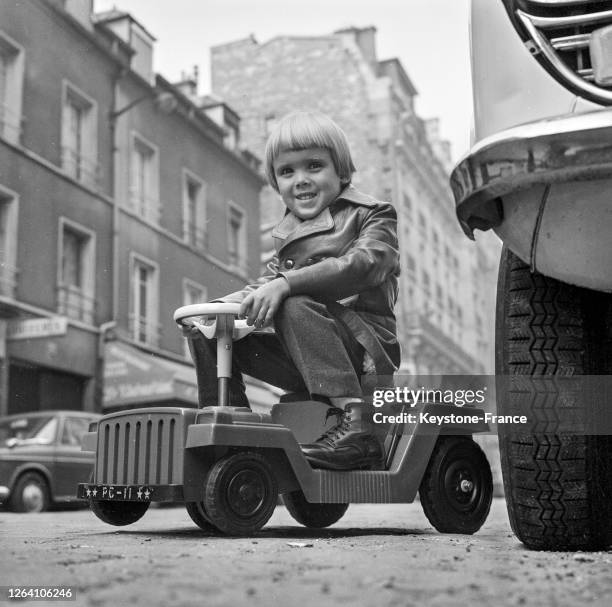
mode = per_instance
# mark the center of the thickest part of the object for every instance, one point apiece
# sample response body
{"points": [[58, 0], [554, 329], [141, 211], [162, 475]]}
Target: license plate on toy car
{"points": [[130, 493]]}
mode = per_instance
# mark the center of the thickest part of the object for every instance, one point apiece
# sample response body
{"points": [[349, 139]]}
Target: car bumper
{"points": [[570, 148]]}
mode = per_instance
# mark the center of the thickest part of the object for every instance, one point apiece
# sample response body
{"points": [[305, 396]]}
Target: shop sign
{"points": [[36, 327]]}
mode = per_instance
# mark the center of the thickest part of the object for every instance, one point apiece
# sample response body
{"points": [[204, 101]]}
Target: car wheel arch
{"points": [[36, 468]]}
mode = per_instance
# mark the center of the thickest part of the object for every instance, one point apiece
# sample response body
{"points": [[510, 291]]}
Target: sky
{"points": [[430, 37]]}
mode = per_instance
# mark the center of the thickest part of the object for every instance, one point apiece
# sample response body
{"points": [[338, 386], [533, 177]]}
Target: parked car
{"points": [[540, 174], [41, 461]]}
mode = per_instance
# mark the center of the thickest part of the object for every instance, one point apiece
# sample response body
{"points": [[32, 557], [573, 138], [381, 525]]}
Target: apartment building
{"points": [[122, 197]]}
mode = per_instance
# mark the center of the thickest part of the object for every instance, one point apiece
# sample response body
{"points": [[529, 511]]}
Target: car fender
{"points": [[32, 467]]}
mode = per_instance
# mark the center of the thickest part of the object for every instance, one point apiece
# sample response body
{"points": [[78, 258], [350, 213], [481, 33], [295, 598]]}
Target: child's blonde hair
{"points": [[302, 130]]}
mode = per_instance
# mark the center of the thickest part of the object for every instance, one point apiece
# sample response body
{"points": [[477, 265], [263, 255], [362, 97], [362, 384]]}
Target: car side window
{"points": [[74, 428], [46, 434]]}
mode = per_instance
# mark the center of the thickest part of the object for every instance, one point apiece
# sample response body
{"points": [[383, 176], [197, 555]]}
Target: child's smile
{"points": [[307, 180]]}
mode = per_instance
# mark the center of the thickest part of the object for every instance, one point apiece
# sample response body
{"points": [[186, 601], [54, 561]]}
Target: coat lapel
{"points": [[291, 227]]}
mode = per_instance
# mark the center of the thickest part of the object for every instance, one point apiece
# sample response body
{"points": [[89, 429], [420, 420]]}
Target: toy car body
{"points": [[167, 455]]}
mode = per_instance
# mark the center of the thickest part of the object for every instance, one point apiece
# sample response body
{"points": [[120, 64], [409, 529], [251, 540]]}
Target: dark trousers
{"points": [[310, 350]]}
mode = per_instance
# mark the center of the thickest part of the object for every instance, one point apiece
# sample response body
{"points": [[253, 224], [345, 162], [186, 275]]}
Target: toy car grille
{"points": [[140, 450], [558, 34]]}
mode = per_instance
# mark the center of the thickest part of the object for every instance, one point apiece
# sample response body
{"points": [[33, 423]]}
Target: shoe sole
{"points": [[363, 465]]}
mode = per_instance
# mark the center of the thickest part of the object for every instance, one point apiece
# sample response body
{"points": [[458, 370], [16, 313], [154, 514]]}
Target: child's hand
{"points": [[261, 305]]}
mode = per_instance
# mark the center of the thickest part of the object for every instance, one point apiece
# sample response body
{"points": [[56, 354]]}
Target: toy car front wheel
{"points": [[241, 493], [30, 493], [556, 468], [199, 516], [118, 513], [315, 516], [457, 488]]}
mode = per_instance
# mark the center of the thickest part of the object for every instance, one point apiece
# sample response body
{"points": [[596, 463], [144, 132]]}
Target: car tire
{"points": [[557, 481], [30, 493]]}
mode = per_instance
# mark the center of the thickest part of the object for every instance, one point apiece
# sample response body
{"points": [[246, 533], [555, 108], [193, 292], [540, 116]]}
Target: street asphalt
{"points": [[383, 555]]}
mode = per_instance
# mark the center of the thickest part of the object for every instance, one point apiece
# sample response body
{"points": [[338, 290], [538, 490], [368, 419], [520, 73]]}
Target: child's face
{"points": [[307, 180]]}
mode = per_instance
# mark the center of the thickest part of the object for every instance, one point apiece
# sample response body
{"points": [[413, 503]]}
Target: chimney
{"points": [[134, 34], [81, 10], [188, 85], [365, 38]]}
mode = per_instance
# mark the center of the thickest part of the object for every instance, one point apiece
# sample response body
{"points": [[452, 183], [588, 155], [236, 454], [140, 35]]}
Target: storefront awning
{"points": [[133, 377]]}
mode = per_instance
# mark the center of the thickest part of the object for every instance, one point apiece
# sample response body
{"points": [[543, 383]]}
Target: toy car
{"points": [[229, 464], [540, 175]]}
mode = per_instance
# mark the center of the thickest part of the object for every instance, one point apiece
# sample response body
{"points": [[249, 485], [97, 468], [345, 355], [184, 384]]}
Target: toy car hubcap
{"points": [[461, 486], [33, 498], [246, 492]]}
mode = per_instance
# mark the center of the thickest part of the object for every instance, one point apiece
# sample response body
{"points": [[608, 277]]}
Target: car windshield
{"points": [[33, 429]]}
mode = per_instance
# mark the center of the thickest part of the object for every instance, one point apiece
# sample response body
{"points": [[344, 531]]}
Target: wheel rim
{"points": [[33, 498], [246, 492], [462, 486]]}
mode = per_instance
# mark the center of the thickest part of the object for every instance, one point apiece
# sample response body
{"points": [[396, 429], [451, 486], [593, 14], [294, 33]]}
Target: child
{"points": [[329, 293]]}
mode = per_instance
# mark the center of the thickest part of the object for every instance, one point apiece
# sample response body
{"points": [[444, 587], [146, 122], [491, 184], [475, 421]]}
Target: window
{"points": [[144, 180], [76, 284], [11, 88], [194, 211], [144, 306], [236, 236], [79, 136], [407, 205], [74, 430], [422, 223], [439, 296], [8, 242], [411, 266], [426, 285], [270, 122]]}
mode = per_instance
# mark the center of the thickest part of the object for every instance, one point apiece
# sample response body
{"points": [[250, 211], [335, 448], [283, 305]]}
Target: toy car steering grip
{"points": [[225, 328]]}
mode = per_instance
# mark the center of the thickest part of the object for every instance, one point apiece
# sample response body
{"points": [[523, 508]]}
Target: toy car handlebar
{"points": [[239, 327]]}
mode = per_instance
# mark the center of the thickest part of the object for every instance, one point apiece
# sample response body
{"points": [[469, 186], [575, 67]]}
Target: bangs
{"points": [[303, 130], [299, 132]]}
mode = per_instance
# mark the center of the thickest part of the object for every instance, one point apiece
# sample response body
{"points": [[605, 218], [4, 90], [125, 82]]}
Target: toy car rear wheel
{"points": [[118, 513], [241, 493], [457, 488], [199, 516], [314, 516], [30, 494], [557, 479]]}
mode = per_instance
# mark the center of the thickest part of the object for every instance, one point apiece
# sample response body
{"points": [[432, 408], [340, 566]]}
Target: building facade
{"points": [[447, 288], [121, 198]]}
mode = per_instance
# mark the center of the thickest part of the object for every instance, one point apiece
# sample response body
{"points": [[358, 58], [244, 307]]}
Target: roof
{"points": [[117, 15]]}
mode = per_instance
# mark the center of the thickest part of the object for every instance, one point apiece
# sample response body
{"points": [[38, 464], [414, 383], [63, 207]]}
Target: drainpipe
{"points": [[103, 330]]}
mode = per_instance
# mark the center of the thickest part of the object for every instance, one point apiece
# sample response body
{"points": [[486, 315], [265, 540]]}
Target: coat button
{"points": [[289, 263]]}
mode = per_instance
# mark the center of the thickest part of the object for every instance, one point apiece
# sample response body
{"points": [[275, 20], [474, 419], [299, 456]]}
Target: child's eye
{"points": [[284, 171], [316, 164]]}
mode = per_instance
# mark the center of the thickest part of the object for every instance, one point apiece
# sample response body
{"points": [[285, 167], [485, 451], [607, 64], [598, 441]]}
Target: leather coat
{"points": [[347, 256]]}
